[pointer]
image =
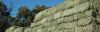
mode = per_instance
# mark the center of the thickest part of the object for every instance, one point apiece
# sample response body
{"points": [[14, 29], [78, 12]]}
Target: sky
{"points": [[29, 3]]}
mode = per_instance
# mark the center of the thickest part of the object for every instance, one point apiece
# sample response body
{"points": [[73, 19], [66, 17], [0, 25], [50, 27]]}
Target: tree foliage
{"points": [[23, 12], [28, 16], [3, 10], [4, 17]]}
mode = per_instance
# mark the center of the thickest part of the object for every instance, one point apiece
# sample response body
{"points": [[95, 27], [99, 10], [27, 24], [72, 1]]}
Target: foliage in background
{"points": [[4, 17], [26, 16]]}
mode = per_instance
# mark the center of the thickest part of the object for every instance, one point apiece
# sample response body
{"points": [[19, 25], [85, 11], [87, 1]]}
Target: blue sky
{"points": [[29, 3]]}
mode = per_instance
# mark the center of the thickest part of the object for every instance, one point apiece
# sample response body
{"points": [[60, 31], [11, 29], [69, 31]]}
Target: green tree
{"points": [[24, 15], [4, 17], [23, 12], [3, 10]]}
